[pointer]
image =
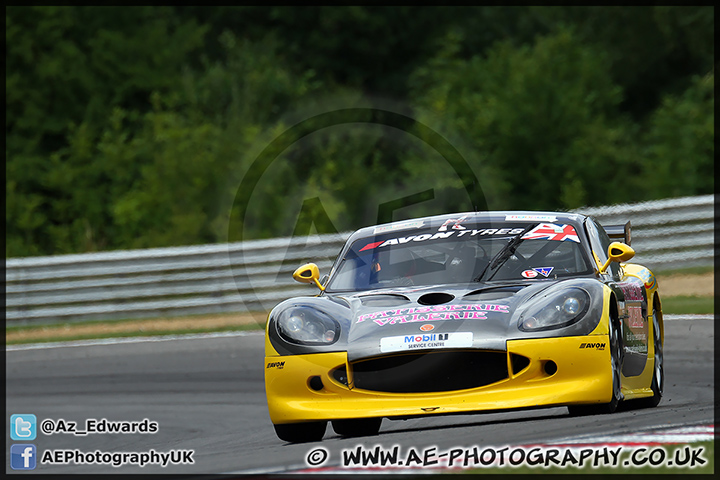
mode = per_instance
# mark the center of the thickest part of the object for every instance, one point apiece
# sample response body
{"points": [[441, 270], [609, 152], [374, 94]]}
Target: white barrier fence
{"points": [[255, 275]]}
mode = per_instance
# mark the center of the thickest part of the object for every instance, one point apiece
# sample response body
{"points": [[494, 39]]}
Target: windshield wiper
{"points": [[506, 252]]}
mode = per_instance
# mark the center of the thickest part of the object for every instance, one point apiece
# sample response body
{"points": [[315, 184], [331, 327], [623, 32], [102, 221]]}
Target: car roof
{"points": [[436, 221]]}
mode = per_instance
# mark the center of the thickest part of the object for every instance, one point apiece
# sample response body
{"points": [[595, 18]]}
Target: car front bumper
{"points": [[561, 371]]}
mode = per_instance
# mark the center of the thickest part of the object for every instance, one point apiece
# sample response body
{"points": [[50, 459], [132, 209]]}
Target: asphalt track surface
{"points": [[207, 395]]}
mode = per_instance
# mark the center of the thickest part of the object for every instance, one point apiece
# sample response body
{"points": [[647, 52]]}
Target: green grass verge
{"points": [[626, 464], [684, 304], [684, 271], [70, 338]]}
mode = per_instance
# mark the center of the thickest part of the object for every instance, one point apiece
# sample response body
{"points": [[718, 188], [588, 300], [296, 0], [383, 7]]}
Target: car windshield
{"points": [[420, 257]]}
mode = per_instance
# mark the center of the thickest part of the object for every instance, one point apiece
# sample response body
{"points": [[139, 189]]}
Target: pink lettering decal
{"points": [[392, 320], [480, 306], [491, 307], [367, 316], [499, 308]]}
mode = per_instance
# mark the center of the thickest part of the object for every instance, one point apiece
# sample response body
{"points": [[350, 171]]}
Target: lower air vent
{"points": [[340, 374], [518, 363], [430, 372]]}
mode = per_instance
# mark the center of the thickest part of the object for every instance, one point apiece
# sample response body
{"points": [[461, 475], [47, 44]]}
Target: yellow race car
{"points": [[472, 312]]}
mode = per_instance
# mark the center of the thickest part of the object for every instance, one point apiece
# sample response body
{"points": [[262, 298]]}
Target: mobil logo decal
{"points": [[426, 338], [420, 338]]}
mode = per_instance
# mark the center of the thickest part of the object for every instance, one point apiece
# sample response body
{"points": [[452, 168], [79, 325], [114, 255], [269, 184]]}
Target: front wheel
{"points": [[357, 427], [615, 363], [301, 432]]}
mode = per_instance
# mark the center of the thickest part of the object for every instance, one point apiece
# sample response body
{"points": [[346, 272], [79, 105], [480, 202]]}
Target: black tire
{"points": [[301, 432], [360, 427], [658, 381], [615, 363]]}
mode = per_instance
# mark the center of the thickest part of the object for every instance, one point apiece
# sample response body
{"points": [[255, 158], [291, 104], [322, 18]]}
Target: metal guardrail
{"points": [[666, 234], [255, 275]]}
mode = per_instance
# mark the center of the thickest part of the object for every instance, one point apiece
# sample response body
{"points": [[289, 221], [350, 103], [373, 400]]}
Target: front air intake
{"points": [[519, 363], [435, 298], [430, 372]]}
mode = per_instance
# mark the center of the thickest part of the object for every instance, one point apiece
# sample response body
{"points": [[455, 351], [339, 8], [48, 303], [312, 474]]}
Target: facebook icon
{"points": [[22, 456]]}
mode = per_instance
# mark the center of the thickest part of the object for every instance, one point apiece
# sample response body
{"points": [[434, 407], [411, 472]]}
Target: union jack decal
{"points": [[550, 231]]}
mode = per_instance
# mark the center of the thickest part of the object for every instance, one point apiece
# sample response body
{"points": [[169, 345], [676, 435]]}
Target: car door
{"points": [[632, 303]]}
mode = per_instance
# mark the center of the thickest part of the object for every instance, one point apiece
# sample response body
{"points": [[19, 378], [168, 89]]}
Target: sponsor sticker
{"points": [[531, 218], [544, 271], [398, 226], [426, 340], [551, 231], [454, 222], [441, 235], [635, 318], [595, 346], [641, 337], [632, 291], [476, 311], [278, 365], [427, 328], [648, 278], [529, 274]]}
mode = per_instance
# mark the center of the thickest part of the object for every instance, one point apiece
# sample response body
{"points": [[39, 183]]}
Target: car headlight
{"points": [[307, 326], [556, 311]]}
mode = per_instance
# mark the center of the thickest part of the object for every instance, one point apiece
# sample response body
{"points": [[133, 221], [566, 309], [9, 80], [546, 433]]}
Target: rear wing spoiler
{"points": [[620, 233]]}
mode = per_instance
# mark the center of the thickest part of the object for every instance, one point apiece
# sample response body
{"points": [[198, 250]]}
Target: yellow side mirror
{"points": [[308, 273], [618, 252]]}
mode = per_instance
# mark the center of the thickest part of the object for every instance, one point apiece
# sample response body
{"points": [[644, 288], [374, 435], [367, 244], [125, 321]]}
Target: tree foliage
{"points": [[132, 127]]}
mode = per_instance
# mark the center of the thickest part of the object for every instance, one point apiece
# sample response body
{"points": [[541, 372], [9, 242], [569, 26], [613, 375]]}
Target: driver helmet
{"points": [[461, 265]]}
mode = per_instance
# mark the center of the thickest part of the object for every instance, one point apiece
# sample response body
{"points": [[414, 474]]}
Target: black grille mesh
{"points": [[430, 372]]}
